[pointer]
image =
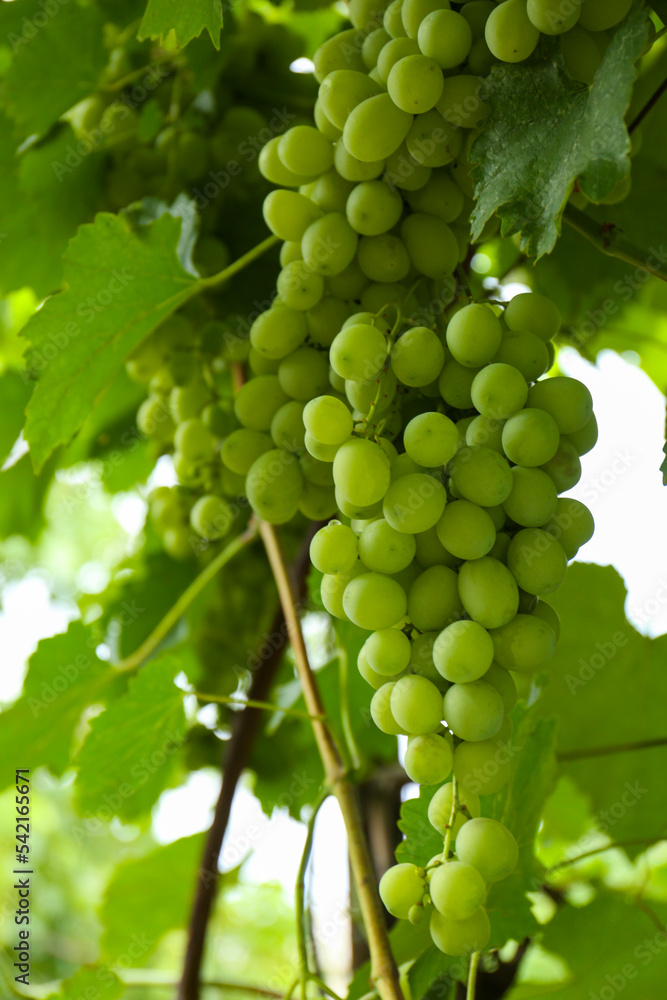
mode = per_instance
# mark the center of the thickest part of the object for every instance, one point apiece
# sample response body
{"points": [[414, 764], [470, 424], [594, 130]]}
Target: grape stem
{"points": [[472, 975], [384, 973], [650, 104], [452, 819], [300, 899], [267, 706], [163, 628], [610, 240], [238, 265], [619, 844], [661, 741]]}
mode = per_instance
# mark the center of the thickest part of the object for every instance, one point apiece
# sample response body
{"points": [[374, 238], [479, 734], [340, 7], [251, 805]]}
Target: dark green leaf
{"points": [[14, 394], [187, 21]]}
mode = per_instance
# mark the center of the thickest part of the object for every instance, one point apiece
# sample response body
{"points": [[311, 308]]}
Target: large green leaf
{"points": [[14, 394], [131, 751], [186, 20], [545, 130], [422, 841], [121, 283]]}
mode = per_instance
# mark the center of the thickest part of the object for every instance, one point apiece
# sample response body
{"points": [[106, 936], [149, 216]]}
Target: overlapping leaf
{"points": [[186, 20]]}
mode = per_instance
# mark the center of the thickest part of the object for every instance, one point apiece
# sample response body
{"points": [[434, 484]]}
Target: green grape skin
{"points": [[373, 208], [315, 471], [474, 711], [381, 711], [413, 13], [581, 55], [483, 767], [372, 46], [358, 352], [402, 887], [365, 13], [572, 525], [374, 601], [331, 192], [305, 150], [211, 517], [274, 486], [328, 419], [416, 704], [375, 680], [499, 390], [304, 374], [564, 467], [242, 448], [466, 530], [460, 937], [440, 196], [325, 126], [288, 214], [532, 501], [463, 652], [553, 17], [432, 141], [317, 503], [455, 384], [379, 391], [417, 357], [524, 644], [421, 658], [298, 287], [457, 890], [391, 53], [488, 591], [322, 452], [387, 651], [598, 15], [414, 503], [329, 244], [325, 320], [460, 102], [383, 258], [502, 680], [487, 432], [287, 429], [392, 20], [431, 245], [357, 512], [525, 351], [428, 759], [350, 284], [187, 401], [440, 808], [405, 173], [547, 614], [509, 32], [476, 14], [433, 599], [274, 170], [431, 552], [154, 419], [281, 329], [446, 37], [376, 128], [385, 550], [489, 846], [430, 439], [481, 476], [415, 84], [261, 365], [333, 587], [537, 561], [530, 437], [194, 440], [338, 52], [533, 312], [333, 548], [586, 438], [567, 400], [480, 58], [361, 472], [474, 335]]}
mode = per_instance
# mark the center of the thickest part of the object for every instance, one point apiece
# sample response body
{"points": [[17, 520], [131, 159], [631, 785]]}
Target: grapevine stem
{"points": [[650, 104], [238, 265], [383, 967], [217, 984], [609, 239], [472, 975], [163, 628], [300, 898], [633, 842], [616, 748], [268, 706], [452, 819], [350, 741]]}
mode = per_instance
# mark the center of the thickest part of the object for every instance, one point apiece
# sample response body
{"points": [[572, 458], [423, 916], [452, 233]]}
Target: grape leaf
{"points": [[131, 751], [64, 676], [186, 20], [96, 981], [601, 671], [422, 840], [55, 65], [545, 130], [433, 973], [15, 393], [137, 887], [121, 283]]}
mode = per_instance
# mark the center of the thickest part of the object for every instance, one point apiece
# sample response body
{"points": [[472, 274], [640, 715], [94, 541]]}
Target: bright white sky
{"points": [[622, 485]]}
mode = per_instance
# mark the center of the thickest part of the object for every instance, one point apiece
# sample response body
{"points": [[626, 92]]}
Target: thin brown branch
{"points": [[650, 104]]}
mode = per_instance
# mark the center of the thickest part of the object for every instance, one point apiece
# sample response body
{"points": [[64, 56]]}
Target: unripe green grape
{"points": [[502, 680], [421, 658], [194, 440], [428, 759], [261, 365], [564, 467], [598, 15], [322, 452], [581, 55], [488, 591], [404, 172], [586, 438], [537, 561], [417, 357], [338, 54], [509, 32], [361, 472], [287, 429], [357, 511], [211, 517], [376, 128], [341, 91], [572, 525], [431, 551], [489, 846], [350, 284], [481, 59], [487, 432], [549, 615], [530, 437], [525, 351], [482, 767], [457, 890], [554, 17], [460, 937], [305, 150], [374, 601], [324, 125], [391, 53], [524, 644], [358, 352], [460, 103], [440, 808], [354, 170], [532, 501], [381, 713], [431, 140], [329, 244], [430, 243], [379, 391], [474, 335], [177, 543], [414, 503], [401, 888], [566, 399], [373, 44], [473, 711], [274, 170], [433, 599], [373, 208], [499, 390], [392, 21], [369, 675], [476, 14], [317, 503], [463, 652], [154, 419], [299, 287], [388, 651], [440, 196], [481, 476], [413, 13], [446, 37], [430, 439], [274, 486], [533, 312], [455, 385], [187, 401], [332, 589], [325, 320], [383, 258], [288, 214], [385, 550], [281, 329], [315, 471], [258, 401], [333, 548], [415, 84], [304, 374], [466, 530], [416, 704], [328, 419], [242, 447]]}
